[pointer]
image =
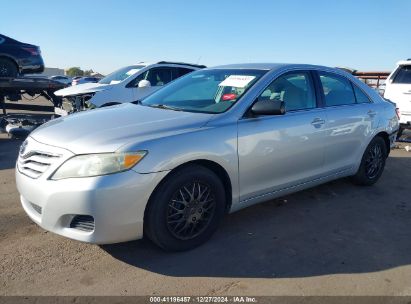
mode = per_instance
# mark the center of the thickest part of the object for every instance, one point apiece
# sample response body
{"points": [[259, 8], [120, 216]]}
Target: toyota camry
{"points": [[214, 141]]}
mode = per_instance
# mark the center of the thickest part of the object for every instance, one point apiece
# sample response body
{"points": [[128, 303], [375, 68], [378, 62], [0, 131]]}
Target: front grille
{"points": [[35, 163], [83, 222], [36, 208]]}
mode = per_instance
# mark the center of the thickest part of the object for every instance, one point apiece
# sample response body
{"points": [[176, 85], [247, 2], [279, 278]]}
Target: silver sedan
{"points": [[212, 142]]}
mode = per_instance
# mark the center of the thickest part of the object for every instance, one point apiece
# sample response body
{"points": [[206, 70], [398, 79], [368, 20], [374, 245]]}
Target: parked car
{"points": [[127, 84], [19, 58], [398, 90], [214, 141], [82, 80], [62, 79]]}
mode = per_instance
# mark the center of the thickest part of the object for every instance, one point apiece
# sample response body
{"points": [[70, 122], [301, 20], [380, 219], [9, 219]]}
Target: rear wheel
{"points": [[372, 163], [7, 68], [186, 209]]}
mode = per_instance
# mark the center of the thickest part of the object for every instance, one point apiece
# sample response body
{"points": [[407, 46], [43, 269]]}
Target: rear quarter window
{"points": [[403, 75], [360, 96]]}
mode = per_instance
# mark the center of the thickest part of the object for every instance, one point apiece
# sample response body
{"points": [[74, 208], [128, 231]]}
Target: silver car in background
{"points": [[212, 142]]}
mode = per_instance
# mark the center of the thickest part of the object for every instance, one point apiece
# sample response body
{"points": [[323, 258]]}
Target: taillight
{"points": [[397, 110], [32, 50]]}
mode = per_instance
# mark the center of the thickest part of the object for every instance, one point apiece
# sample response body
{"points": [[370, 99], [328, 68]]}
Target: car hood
{"points": [[108, 129], [82, 89]]}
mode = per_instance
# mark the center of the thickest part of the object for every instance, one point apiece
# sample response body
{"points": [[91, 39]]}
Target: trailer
{"points": [[14, 89]]}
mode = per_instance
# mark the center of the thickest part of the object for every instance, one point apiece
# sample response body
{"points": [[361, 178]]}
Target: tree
{"points": [[74, 71], [88, 72]]}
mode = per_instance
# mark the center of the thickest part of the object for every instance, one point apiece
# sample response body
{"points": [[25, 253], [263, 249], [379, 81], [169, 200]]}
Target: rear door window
{"points": [[337, 90], [403, 75]]}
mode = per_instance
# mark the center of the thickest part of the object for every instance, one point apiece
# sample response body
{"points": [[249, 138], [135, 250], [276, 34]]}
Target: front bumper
{"points": [[116, 202]]}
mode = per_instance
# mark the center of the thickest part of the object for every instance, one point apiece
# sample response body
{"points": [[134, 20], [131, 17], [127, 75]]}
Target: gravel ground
{"points": [[335, 239]]}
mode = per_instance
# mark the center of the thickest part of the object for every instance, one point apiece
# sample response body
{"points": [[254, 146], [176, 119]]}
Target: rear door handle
{"points": [[318, 122]]}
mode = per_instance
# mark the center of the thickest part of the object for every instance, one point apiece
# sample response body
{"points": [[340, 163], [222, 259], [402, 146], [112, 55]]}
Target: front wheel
{"points": [[185, 209], [372, 163]]}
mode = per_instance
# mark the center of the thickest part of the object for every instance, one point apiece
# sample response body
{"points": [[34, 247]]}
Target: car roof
{"points": [[172, 63], [404, 62], [9, 39], [268, 66]]}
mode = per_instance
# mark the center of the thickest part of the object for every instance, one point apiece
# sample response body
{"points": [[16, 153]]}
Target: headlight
{"points": [[98, 164]]}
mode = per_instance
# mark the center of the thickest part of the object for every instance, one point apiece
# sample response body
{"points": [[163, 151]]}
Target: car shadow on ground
{"points": [[334, 228]]}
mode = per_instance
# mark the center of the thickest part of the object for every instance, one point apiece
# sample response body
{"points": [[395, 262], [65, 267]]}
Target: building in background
{"points": [[49, 72]]}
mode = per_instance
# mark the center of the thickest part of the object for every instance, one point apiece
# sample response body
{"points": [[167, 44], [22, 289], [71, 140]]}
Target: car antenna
{"points": [[199, 58]]}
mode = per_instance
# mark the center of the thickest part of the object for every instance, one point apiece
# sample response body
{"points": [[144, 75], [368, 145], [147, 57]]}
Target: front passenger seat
{"points": [[293, 98]]}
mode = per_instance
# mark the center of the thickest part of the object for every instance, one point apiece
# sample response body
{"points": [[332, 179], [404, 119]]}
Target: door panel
{"points": [[350, 123], [347, 128], [280, 151], [140, 93]]}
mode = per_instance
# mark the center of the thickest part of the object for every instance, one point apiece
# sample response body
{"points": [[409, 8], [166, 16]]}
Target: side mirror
{"points": [[144, 84], [268, 107]]}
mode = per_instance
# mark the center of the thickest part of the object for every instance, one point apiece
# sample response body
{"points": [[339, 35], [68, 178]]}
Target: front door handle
{"points": [[317, 122]]}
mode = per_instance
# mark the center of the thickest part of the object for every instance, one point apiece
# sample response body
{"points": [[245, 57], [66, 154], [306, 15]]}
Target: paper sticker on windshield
{"points": [[237, 81], [132, 72]]}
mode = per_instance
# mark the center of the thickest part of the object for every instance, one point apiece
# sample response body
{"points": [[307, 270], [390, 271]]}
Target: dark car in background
{"points": [[19, 58]]}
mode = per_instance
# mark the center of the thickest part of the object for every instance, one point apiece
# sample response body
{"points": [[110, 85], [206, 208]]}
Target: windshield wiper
{"points": [[163, 106]]}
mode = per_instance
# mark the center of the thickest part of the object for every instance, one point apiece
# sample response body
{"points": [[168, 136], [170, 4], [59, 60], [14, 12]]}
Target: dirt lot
{"points": [[336, 239]]}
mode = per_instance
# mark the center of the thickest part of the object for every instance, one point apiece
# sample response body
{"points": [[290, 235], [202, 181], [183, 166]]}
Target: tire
{"points": [[400, 131], [372, 163], [185, 209], [7, 68]]}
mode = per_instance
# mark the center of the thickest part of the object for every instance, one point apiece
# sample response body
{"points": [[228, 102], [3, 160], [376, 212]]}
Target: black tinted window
{"points": [[159, 76], [178, 72], [337, 90], [295, 89], [403, 75]]}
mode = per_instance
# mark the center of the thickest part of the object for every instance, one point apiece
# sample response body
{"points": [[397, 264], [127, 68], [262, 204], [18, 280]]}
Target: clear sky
{"points": [[105, 35]]}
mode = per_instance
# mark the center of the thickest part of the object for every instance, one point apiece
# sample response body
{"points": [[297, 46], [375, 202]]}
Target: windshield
{"points": [[206, 91], [121, 74]]}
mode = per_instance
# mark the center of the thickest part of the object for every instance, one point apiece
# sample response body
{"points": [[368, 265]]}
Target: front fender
{"points": [[216, 144]]}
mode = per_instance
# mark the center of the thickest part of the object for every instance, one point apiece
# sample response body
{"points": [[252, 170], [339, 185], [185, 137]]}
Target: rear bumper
{"points": [[32, 64]]}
